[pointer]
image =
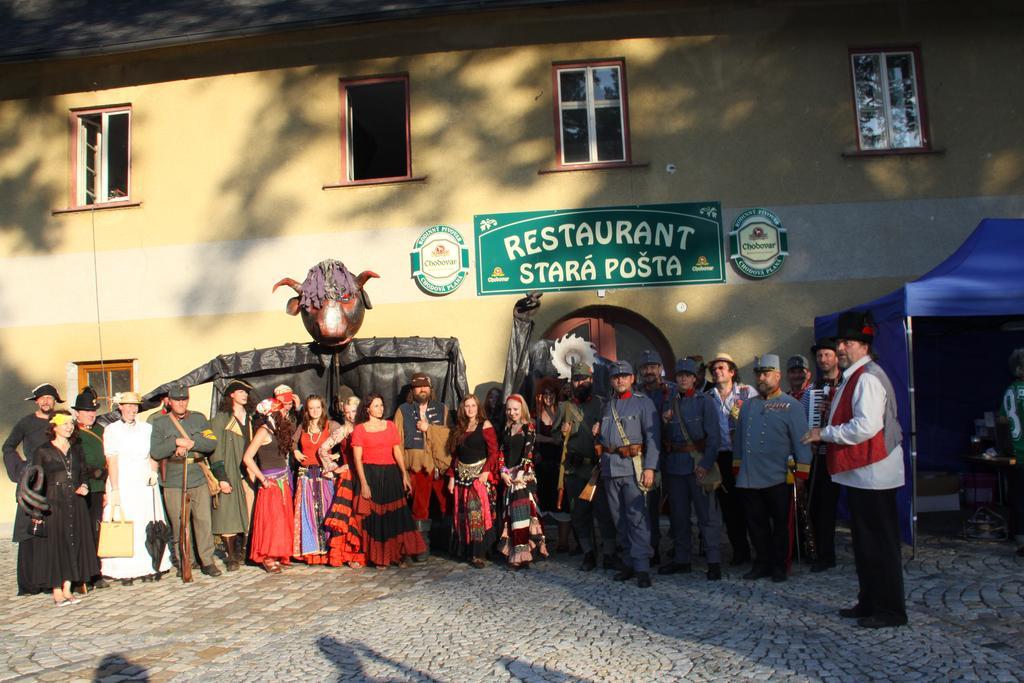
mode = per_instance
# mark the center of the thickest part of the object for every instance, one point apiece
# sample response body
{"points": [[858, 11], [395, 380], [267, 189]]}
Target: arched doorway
{"points": [[617, 333]]}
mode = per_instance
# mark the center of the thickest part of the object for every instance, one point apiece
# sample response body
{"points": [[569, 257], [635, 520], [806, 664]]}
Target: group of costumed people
{"points": [[280, 484]]}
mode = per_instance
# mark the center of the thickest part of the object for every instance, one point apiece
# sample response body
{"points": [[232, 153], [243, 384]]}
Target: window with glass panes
{"points": [[102, 139], [888, 100], [592, 113], [107, 378]]}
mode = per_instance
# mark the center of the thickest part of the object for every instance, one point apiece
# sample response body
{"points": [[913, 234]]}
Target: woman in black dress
{"points": [[471, 481], [67, 553], [522, 533]]}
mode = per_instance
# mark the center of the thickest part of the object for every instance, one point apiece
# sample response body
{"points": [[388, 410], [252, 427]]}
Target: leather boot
{"points": [[423, 526], [232, 555]]}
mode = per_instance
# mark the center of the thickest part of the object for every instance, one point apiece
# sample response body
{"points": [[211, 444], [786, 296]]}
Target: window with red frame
{"points": [[888, 98], [591, 113], [375, 129], [102, 155]]}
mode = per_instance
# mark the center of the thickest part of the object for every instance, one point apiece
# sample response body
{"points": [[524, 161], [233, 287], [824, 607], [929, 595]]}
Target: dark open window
{"points": [[375, 127]]}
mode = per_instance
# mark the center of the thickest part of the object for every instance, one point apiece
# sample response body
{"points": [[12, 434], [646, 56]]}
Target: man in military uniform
{"points": [[173, 451], [798, 372], [233, 428], [768, 434], [91, 436], [691, 437], [422, 423], [654, 386], [629, 434], [579, 416]]}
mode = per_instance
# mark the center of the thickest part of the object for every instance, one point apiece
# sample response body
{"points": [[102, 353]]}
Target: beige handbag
{"points": [[117, 536]]}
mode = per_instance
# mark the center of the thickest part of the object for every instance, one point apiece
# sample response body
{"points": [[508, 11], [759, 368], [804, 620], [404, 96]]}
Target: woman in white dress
{"points": [[132, 484]]}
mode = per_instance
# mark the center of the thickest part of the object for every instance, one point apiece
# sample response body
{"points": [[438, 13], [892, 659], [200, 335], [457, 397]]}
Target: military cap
{"points": [[581, 370], [177, 391], [769, 361], [649, 357], [687, 365], [798, 361], [621, 367]]}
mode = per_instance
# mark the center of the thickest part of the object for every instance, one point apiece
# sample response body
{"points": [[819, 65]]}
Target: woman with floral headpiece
{"points": [[271, 538]]}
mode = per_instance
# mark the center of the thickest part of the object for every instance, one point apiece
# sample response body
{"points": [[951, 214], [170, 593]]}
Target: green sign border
{"points": [[422, 280], [740, 263], [707, 212]]}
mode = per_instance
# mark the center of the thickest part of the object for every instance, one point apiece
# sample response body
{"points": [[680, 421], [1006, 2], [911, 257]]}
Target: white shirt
{"points": [[868, 412]]}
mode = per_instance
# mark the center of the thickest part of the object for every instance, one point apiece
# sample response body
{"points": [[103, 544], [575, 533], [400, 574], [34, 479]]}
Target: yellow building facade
{"points": [[237, 154]]}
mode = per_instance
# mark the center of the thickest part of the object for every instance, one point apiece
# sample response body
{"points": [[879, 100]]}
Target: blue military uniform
{"points": [[641, 426], [660, 395], [698, 414], [768, 433]]}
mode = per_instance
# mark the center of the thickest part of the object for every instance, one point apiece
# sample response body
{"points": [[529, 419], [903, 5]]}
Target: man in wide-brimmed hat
{"points": [[865, 455], [729, 395], [232, 426], [822, 492], [91, 436]]}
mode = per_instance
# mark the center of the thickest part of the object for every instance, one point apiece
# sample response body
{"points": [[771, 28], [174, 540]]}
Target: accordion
{"points": [[817, 401]]}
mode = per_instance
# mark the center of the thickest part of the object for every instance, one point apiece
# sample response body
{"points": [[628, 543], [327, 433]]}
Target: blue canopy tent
{"points": [[944, 339]]}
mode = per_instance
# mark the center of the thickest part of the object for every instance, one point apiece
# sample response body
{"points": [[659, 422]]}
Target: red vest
{"points": [[840, 457]]}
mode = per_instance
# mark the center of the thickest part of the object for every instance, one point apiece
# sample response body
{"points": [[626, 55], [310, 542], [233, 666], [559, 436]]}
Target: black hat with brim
{"points": [[855, 325], [237, 385], [824, 344], [87, 400], [45, 390]]}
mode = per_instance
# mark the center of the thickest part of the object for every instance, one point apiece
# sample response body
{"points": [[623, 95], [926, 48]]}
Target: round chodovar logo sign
{"points": [[759, 243], [440, 260]]}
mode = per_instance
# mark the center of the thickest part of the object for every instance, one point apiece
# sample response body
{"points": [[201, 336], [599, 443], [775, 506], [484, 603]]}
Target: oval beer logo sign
{"points": [[440, 260], [759, 243]]}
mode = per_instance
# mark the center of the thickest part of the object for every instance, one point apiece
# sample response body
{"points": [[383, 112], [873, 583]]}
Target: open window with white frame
{"points": [[102, 155], [591, 113], [889, 99]]}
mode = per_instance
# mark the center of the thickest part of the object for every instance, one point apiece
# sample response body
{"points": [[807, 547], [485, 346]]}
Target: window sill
{"points": [[592, 167], [861, 154], [97, 207], [375, 181]]}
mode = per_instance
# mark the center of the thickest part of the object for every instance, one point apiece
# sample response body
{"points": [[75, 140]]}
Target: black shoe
{"points": [[625, 575], [643, 580], [612, 561], [822, 566], [757, 573], [737, 560], [779, 576], [127, 582], [100, 583], [589, 563], [877, 621], [211, 570], [676, 568], [858, 611], [149, 578], [714, 572]]}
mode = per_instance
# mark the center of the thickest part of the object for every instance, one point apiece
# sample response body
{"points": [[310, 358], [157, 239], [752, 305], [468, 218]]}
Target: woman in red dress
{"points": [[345, 545], [314, 483], [471, 481], [271, 536], [389, 533]]}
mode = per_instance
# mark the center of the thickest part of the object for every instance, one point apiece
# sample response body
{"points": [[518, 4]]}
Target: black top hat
{"points": [[87, 400], [822, 344], [45, 390], [857, 326]]}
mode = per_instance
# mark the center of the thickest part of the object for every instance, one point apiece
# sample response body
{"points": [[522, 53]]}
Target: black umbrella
{"points": [[158, 535]]}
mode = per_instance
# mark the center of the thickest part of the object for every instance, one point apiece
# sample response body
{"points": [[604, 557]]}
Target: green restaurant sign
{"points": [[619, 246]]}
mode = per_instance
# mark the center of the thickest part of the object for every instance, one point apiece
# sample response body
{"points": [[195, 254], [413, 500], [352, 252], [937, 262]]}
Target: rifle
{"points": [[564, 410], [184, 540]]}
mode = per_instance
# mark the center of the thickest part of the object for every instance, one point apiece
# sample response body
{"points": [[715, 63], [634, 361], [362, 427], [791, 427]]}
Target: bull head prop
{"points": [[331, 300]]}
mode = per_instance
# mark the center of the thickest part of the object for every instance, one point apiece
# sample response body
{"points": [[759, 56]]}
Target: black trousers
{"points": [[94, 501], [875, 527], [767, 512], [823, 497], [732, 508]]}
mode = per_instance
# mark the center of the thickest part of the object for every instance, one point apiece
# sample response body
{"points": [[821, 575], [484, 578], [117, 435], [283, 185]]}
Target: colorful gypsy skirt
{"points": [[472, 516], [344, 521], [522, 532], [273, 519], [389, 533], [313, 496]]}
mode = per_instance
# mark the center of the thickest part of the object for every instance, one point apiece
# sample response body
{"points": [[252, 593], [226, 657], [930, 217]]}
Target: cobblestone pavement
{"points": [[445, 621]]}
